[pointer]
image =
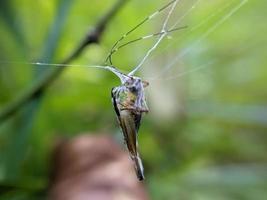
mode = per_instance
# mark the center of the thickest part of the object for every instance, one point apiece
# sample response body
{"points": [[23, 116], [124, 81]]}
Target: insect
{"points": [[129, 98], [129, 103]]}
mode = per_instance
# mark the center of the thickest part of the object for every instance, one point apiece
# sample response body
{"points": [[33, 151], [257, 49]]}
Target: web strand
{"points": [[203, 36], [159, 40], [203, 22], [53, 64], [184, 73], [199, 25], [185, 14]]}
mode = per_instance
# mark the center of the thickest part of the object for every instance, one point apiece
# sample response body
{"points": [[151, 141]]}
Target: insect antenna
{"points": [[134, 28], [145, 37]]}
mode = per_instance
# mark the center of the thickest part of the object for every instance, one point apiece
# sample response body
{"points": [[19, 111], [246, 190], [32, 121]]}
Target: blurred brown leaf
{"points": [[94, 167]]}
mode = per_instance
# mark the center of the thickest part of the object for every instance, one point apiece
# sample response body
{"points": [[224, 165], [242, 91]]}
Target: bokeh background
{"points": [[205, 136]]}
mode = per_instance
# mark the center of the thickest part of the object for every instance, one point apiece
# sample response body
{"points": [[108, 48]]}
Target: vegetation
{"points": [[205, 135]]}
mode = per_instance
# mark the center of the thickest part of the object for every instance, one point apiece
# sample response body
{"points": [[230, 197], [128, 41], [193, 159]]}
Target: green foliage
{"points": [[205, 136]]}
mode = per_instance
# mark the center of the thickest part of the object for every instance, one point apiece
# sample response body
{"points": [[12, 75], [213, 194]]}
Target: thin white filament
{"points": [[186, 13], [159, 40], [55, 64], [203, 22], [194, 69], [202, 37], [199, 25], [119, 74]]}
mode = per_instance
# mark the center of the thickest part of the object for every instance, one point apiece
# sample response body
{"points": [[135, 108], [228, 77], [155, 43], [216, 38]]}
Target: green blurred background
{"points": [[205, 136]]}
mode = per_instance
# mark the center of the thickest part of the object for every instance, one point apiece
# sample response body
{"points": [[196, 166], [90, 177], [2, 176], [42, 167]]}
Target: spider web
{"points": [[164, 30], [231, 8]]}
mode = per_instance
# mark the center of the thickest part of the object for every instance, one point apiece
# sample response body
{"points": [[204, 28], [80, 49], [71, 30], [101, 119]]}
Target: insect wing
{"points": [[129, 123], [129, 129]]}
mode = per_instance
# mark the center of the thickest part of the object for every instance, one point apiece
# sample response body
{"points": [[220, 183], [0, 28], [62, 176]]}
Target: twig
{"points": [[39, 87]]}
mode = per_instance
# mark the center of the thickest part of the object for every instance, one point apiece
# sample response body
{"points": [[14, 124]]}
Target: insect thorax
{"points": [[130, 96], [124, 97]]}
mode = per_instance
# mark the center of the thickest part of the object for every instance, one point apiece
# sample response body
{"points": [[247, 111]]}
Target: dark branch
{"points": [[39, 87]]}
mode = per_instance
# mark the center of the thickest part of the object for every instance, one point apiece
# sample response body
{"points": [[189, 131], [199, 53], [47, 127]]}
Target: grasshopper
{"points": [[129, 103], [129, 98]]}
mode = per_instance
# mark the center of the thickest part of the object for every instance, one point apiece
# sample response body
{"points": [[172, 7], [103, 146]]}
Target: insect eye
{"points": [[133, 89]]}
